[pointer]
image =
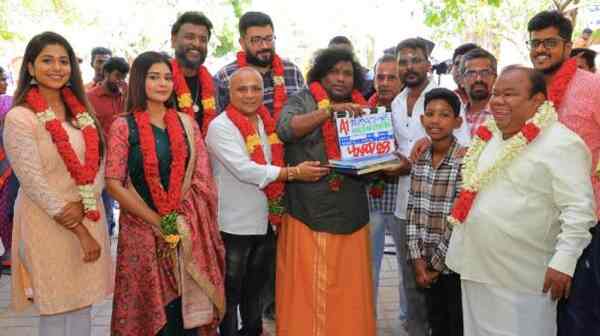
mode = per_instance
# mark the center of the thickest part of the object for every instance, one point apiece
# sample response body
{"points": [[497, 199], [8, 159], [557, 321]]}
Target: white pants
{"points": [[74, 323], [495, 311]]}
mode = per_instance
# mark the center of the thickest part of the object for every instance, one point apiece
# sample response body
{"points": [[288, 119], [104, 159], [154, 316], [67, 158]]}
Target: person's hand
{"points": [[310, 171], [418, 149], [558, 283], [402, 168], [354, 109], [89, 245], [421, 276], [71, 214]]}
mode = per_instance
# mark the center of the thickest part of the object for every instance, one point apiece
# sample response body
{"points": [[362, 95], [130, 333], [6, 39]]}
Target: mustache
{"points": [[479, 83]]}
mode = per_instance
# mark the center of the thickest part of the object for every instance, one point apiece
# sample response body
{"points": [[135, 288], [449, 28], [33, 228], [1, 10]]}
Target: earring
{"points": [[33, 81]]}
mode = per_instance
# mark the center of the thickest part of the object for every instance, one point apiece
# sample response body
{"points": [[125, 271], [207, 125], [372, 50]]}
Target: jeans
{"points": [[417, 323], [245, 276], [379, 223], [109, 204]]}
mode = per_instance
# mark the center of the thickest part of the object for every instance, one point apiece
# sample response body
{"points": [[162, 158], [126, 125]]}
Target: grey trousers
{"points": [[74, 323], [417, 324]]}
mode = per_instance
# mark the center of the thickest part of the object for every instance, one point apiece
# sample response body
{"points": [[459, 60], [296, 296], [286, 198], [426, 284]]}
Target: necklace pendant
{"points": [[196, 108]]}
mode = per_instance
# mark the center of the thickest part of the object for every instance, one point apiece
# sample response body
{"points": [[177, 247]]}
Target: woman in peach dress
{"points": [[61, 258]]}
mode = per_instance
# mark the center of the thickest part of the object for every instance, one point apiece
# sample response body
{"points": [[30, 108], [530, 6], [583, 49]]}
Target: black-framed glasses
{"points": [[256, 40], [548, 43], [473, 74]]}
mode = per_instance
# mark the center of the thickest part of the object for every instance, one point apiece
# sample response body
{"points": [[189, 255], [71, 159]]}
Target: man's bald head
{"points": [[246, 90], [535, 78]]}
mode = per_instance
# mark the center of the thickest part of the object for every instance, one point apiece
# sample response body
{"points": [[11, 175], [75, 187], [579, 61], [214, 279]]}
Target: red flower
{"points": [[275, 190], [83, 173], [483, 133], [463, 204], [208, 92], [165, 201], [530, 131], [376, 192], [560, 81], [93, 215], [335, 184], [328, 129]]}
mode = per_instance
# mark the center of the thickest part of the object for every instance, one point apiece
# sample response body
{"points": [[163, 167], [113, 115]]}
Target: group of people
{"points": [[228, 209]]}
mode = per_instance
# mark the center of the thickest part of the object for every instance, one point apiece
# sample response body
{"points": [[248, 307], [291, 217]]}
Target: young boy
{"points": [[435, 180]]}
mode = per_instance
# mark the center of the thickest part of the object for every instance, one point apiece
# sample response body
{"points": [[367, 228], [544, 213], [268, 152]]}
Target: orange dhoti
{"points": [[324, 285]]}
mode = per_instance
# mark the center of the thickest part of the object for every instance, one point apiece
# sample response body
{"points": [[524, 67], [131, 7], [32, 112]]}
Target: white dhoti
{"points": [[495, 311]]}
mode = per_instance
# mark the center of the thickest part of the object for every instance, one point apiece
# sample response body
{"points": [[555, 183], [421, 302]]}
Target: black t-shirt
{"points": [[193, 84]]}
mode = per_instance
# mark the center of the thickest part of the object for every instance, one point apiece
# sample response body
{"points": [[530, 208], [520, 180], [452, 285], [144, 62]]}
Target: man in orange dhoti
{"points": [[323, 266]]}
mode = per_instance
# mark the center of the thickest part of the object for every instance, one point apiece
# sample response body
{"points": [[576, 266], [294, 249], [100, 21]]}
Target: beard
{"points": [[255, 60], [552, 69], [415, 82], [112, 87], [180, 54], [478, 95]]}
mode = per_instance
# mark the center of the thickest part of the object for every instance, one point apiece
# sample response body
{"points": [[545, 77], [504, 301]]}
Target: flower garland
{"points": [[83, 174], [473, 181], [166, 201], [561, 80], [273, 191], [329, 129], [279, 91], [374, 100], [184, 97]]}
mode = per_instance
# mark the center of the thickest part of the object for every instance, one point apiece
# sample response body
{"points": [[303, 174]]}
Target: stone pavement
{"points": [[27, 324]]}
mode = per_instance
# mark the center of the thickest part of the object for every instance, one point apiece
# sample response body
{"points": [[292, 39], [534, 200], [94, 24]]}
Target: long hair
{"points": [[137, 99], [32, 51]]}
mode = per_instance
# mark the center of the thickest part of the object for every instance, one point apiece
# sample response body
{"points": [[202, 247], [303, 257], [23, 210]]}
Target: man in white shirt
{"points": [[407, 108], [243, 204], [522, 232]]}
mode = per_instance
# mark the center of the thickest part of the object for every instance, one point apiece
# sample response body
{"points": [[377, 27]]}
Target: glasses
{"points": [[548, 43], [411, 61], [257, 40], [473, 74]]}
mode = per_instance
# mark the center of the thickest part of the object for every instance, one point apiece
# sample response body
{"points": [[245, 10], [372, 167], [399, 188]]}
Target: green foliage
{"points": [[227, 35]]}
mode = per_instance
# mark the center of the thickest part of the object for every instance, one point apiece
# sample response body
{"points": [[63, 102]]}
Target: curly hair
{"points": [[326, 60]]}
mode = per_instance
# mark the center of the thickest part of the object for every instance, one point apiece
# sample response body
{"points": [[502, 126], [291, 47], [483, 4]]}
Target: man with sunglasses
{"points": [[574, 93]]}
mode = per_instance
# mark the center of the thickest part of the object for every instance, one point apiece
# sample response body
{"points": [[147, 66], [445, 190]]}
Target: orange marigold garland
{"points": [[273, 191], [184, 97], [279, 91], [84, 173], [329, 129]]}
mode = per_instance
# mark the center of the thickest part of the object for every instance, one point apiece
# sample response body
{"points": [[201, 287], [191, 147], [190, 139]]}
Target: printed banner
{"points": [[366, 137]]}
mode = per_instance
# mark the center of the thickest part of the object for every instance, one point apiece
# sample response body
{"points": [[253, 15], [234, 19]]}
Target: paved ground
{"points": [[27, 324]]}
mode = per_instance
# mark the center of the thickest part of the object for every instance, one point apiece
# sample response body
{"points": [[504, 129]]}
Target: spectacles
{"points": [[411, 61], [473, 74], [548, 43], [256, 40]]}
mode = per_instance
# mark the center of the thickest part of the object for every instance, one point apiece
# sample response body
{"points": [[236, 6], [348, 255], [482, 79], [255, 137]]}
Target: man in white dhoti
{"points": [[523, 215]]}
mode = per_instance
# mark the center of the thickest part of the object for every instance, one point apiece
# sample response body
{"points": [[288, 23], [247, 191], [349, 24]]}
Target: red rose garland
{"points": [[184, 97], [374, 100], [329, 129], [561, 80], [84, 173], [166, 202], [279, 91], [273, 191]]}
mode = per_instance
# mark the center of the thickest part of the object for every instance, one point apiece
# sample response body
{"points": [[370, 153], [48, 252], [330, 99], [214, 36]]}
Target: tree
{"points": [[227, 34]]}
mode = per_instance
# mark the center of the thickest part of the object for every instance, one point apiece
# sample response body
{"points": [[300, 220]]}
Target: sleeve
{"points": [[412, 226], [294, 106], [23, 153], [118, 151], [573, 195], [223, 143], [222, 90], [438, 258]]}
